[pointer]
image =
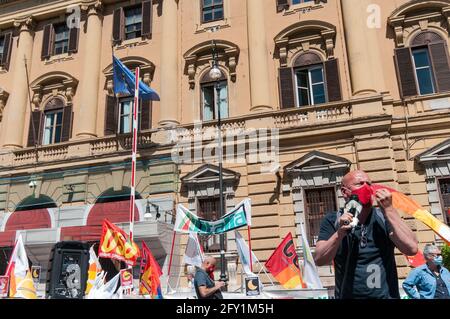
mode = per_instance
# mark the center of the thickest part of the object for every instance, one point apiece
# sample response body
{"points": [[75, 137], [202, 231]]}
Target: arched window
{"points": [[214, 97], [423, 67]]}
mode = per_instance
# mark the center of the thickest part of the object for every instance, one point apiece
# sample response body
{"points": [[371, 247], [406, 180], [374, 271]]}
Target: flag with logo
{"points": [[150, 283], [244, 255], [94, 269], [283, 264], [116, 244], [407, 205], [20, 279], [310, 273], [194, 253]]}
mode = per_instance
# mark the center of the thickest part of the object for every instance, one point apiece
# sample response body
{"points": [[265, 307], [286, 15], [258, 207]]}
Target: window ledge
{"points": [[59, 58], [212, 26], [302, 8], [132, 43], [3, 70]]}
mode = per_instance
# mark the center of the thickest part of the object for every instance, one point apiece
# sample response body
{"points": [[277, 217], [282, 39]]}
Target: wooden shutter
{"points": [[73, 40], [7, 50], [33, 132], [146, 115], [118, 25], [282, 5], [147, 19], [333, 80], [66, 124], [287, 95], [47, 41], [439, 58], [405, 71], [111, 115]]}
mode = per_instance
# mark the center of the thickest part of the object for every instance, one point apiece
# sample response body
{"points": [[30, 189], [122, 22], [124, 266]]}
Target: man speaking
{"points": [[361, 238]]}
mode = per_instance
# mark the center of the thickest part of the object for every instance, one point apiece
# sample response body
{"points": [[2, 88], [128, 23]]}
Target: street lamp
{"points": [[216, 74]]}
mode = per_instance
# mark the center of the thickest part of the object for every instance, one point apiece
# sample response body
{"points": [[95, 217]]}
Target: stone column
{"points": [[363, 49], [86, 117], [258, 56], [169, 64], [15, 119]]}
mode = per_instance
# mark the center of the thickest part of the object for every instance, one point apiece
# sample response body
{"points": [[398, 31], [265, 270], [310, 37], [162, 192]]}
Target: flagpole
{"points": [[171, 255], [134, 151], [250, 248]]}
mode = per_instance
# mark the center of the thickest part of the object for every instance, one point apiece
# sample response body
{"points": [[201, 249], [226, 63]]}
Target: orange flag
{"points": [[410, 207], [417, 260], [115, 244], [283, 264], [150, 283]]}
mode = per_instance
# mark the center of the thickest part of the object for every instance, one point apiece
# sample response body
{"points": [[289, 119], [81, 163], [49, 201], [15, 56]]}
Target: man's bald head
{"points": [[354, 180], [208, 262]]}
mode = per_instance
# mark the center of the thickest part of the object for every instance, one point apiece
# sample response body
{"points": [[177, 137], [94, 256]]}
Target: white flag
{"points": [[244, 255], [194, 254], [21, 282], [94, 269], [311, 275]]}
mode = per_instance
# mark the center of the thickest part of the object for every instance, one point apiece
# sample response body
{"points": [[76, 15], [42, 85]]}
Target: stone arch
{"points": [[307, 58], [201, 56], [304, 36], [113, 205], [31, 213], [53, 84], [417, 16]]}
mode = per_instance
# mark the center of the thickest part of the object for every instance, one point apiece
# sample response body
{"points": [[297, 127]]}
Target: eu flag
{"points": [[124, 82]]}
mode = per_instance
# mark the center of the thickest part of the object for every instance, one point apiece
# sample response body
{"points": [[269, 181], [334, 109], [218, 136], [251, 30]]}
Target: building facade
{"points": [[326, 86]]}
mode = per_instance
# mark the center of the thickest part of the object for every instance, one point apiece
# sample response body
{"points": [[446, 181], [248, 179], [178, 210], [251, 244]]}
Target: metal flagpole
{"points": [[134, 151]]}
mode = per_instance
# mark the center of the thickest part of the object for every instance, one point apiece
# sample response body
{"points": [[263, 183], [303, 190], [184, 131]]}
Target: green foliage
{"points": [[446, 256]]}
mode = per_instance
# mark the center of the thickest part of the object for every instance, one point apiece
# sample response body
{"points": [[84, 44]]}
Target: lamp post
{"points": [[216, 74]]}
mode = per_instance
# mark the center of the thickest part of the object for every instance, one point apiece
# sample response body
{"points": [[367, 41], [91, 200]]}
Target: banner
{"points": [[187, 221], [283, 264], [115, 244], [126, 279]]}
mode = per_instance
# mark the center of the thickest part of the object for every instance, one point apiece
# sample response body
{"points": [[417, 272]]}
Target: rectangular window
{"points": [[444, 185], [424, 72], [61, 44], [2, 47], [210, 97], [52, 127], [133, 22], [212, 10], [125, 115], [310, 86], [209, 209], [319, 202]]}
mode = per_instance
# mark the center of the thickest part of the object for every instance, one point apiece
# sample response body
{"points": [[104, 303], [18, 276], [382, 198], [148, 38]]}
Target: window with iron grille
{"points": [[209, 209], [318, 203], [212, 10], [445, 194]]}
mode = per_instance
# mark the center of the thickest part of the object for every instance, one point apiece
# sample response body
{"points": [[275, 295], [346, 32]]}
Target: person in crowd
{"points": [[205, 287]]}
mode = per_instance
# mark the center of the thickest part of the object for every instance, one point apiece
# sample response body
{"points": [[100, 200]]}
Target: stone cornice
{"points": [[92, 7], [26, 24]]}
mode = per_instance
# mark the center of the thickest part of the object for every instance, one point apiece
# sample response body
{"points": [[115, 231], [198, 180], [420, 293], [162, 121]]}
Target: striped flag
{"points": [[410, 207], [283, 264]]}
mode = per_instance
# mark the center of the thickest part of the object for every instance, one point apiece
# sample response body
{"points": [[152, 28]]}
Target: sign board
{"points": [[252, 286], [36, 274], [4, 281], [126, 279]]}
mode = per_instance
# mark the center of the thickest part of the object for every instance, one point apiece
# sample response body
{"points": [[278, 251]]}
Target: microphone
{"points": [[354, 208]]}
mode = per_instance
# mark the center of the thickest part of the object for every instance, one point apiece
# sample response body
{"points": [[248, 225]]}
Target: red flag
{"points": [[283, 264], [150, 283], [115, 244], [417, 260]]}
